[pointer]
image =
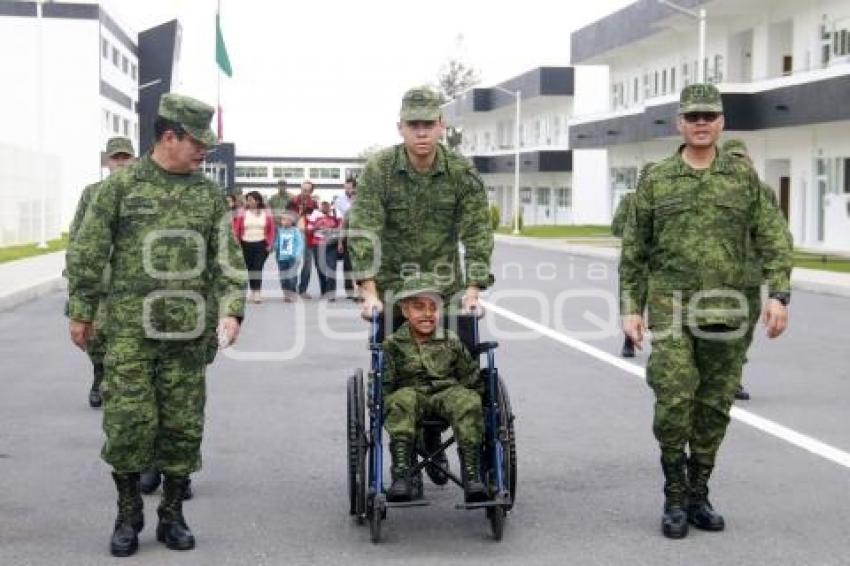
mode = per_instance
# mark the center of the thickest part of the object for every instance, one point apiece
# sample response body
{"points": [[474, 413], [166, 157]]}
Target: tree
{"points": [[455, 77], [369, 151]]}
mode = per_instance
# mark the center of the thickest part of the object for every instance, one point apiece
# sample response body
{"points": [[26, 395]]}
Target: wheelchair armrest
{"points": [[482, 347]]}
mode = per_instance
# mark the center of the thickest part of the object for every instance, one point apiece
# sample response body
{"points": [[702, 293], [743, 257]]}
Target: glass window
{"points": [[556, 130], [564, 197], [324, 173], [252, 171], [635, 89], [488, 142], [106, 120], [133, 71], [353, 172], [116, 123], [525, 195], [543, 196], [126, 124], [115, 56], [105, 48], [672, 79], [664, 81], [125, 64], [288, 172]]}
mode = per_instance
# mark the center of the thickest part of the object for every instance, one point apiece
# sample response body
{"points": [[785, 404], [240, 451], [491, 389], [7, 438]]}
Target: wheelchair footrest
{"points": [[416, 503], [498, 501]]}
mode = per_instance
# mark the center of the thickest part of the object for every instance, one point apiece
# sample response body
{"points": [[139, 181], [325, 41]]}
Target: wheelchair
{"points": [[366, 492]]}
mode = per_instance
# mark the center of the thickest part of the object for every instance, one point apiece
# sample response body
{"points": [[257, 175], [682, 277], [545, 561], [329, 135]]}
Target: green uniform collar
{"points": [[148, 170], [721, 164], [439, 166], [404, 336]]}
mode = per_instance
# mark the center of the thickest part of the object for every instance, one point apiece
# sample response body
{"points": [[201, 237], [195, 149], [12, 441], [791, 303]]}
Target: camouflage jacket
{"points": [[83, 205], [173, 255], [439, 363], [619, 221], [279, 203], [418, 219], [697, 230]]}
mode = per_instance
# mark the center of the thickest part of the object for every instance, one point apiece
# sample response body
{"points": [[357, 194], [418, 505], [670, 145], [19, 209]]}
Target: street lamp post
{"points": [[700, 16], [42, 239], [518, 96]]}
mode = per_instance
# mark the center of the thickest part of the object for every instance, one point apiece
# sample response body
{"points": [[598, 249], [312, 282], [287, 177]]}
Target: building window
{"points": [[324, 173], [353, 172], [116, 123], [686, 78], [525, 195], [488, 142], [672, 79], [288, 172], [126, 127], [105, 48], [115, 56], [135, 130], [846, 175], [564, 197], [537, 132], [133, 71], [556, 130], [635, 89], [252, 172], [106, 120], [664, 81], [125, 64], [543, 196], [522, 135]]}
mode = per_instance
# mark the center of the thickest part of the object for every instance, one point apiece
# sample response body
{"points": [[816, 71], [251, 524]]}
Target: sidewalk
{"points": [[813, 280], [27, 279]]}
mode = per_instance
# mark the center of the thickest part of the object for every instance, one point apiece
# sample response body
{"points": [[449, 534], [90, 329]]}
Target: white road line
{"points": [[767, 426]]}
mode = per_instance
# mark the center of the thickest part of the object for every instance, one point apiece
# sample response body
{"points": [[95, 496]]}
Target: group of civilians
{"points": [[300, 232]]}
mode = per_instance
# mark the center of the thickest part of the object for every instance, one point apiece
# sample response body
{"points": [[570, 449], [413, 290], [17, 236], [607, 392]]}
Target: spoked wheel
{"points": [[377, 513], [509, 439], [496, 515], [357, 445]]}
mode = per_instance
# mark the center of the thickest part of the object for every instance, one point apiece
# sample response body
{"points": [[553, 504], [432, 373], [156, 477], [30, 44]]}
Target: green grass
{"points": [[824, 262], [581, 231], [11, 253]]}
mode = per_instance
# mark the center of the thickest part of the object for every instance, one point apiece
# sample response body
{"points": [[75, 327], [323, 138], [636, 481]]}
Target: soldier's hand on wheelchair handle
{"points": [[634, 328], [775, 318], [371, 304], [81, 333], [470, 303]]}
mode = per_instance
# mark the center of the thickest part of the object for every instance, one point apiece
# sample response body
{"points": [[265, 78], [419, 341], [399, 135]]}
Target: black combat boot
{"points": [[700, 513], [431, 441], [742, 394], [674, 522], [628, 348], [131, 517], [474, 490], [95, 397], [150, 481], [401, 452], [172, 528]]}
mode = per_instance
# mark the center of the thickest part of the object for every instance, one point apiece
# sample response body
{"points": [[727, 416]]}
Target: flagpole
{"points": [[218, 79]]}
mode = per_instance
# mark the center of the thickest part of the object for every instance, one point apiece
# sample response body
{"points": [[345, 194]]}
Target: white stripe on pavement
{"points": [[768, 426]]}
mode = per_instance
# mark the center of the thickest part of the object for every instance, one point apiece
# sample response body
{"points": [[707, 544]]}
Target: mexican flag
{"points": [[221, 50]]}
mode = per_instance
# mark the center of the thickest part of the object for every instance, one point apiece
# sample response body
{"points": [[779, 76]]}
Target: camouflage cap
{"points": [[702, 97], [118, 145], [420, 103], [423, 284], [735, 147], [192, 114]]}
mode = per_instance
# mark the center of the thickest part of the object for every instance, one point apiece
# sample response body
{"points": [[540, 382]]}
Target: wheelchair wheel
{"points": [[356, 447], [377, 513], [496, 515], [507, 425]]}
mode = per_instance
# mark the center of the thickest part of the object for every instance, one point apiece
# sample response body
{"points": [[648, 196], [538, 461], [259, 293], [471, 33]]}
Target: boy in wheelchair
{"points": [[429, 372]]}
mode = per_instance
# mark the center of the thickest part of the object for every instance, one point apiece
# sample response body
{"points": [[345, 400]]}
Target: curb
{"points": [[33, 291], [802, 279]]}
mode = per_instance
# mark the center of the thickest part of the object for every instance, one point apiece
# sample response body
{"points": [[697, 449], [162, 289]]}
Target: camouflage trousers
{"points": [[694, 379], [153, 404], [461, 407]]}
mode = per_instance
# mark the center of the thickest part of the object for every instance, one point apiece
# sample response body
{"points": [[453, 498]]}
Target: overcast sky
{"points": [[325, 78]]}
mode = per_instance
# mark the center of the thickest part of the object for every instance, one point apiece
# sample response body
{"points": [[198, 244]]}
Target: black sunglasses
{"points": [[694, 117]]}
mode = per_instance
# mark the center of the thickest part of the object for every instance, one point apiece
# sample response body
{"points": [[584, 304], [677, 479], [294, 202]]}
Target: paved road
{"points": [[273, 486]]}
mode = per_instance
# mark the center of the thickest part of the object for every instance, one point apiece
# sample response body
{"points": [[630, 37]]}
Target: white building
{"points": [[72, 83], [784, 70], [557, 185], [328, 174]]}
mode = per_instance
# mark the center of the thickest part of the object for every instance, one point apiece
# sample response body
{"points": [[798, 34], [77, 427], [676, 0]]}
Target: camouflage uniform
{"points": [[173, 255], [618, 223], [692, 231], [419, 219], [279, 202]]}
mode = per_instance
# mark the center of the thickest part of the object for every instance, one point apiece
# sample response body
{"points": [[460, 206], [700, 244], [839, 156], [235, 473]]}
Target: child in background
{"points": [[288, 248]]}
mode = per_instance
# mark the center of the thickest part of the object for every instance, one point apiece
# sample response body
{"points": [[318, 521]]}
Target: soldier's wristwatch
{"points": [[783, 298]]}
